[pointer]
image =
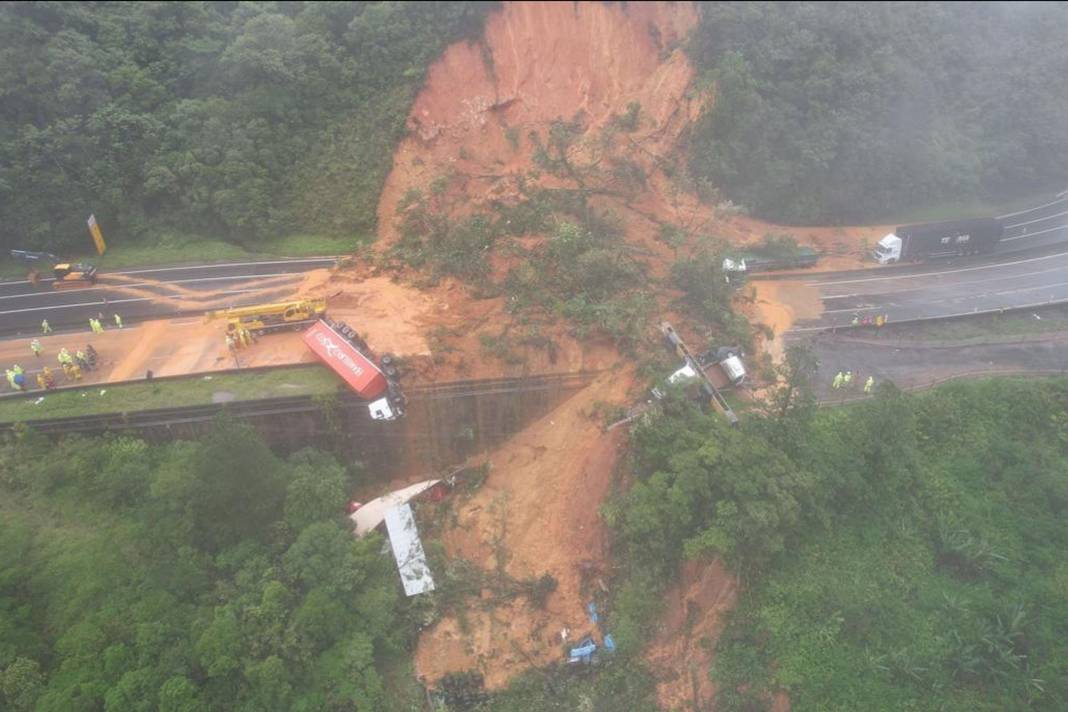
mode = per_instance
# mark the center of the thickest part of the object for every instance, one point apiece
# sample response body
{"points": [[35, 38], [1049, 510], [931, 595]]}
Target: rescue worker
{"points": [[45, 328], [99, 326], [837, 382], [19, 382], [231, 344], [83, 362], [879, 321], [92, 325], [856, 320], [42, 383], [242, 337], [63, 356], [17, 369], [35, 346], [10, 377], [869, 384], [249, 338], [76, 372], [847, 379], [91, 355], [118, 321]]}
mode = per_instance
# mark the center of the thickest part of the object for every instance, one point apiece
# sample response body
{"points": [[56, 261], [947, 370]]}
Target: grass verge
{"points": [[190, 249], [984, 326], [195, 390]]}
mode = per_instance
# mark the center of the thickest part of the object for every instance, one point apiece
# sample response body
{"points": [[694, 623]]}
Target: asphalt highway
{"points": [[148, 293], [1035, 227], [918, 364], [1029, 268]]}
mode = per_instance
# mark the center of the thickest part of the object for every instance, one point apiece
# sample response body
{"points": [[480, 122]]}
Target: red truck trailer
{"points": [[359, 371]]}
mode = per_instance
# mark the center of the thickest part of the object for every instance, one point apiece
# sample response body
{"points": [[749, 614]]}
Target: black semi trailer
{"points": [[942, 239]]}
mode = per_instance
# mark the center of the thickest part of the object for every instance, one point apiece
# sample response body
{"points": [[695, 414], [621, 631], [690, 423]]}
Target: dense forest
{"points": [[232, 120], [906, 553], [845, 112], [247, 121], [190, 576]]}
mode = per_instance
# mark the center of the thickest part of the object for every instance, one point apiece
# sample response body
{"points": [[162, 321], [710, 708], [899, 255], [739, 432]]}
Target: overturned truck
{"points": [[340, 348]]}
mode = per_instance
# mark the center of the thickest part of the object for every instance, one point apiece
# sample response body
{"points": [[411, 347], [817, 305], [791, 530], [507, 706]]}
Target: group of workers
{"points": [[238, 337], [878, 320], [845, 380], [74, 365], [96, 325]]}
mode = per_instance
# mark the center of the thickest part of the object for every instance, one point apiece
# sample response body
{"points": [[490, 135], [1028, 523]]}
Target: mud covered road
{"points": [[149, 293]]}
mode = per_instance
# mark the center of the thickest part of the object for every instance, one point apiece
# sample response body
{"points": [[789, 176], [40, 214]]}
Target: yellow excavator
{"points": [[278, 316], [73, 276], [66, 275]]}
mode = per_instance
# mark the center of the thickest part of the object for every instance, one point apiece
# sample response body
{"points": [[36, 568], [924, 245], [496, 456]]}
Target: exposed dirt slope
{"points": [[681, 652], [536, 514], [537, 63]]}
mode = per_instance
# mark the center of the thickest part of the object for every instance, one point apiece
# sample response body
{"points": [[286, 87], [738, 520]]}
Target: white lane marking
{"points": [[984, 295], [996, 265], [857, 309], [1026, 289], [1029, 222], [1016, 307], [881, 307], [212, 266], [110, 301], [924, 288], [1058, 199], [1032, 234], [125, 285], [227, 264]]}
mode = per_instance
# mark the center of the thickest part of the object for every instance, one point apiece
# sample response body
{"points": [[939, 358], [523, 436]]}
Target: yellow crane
{"points": [[264, 318]]}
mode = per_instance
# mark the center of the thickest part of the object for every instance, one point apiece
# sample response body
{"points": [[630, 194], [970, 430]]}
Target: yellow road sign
{"points": [[98, 238]]}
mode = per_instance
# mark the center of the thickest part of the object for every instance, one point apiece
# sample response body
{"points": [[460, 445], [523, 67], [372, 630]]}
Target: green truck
{"points": [[764, 260]]}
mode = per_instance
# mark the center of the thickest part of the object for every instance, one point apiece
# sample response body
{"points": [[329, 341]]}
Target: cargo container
{"points": [[359, 371], [942, 239]]}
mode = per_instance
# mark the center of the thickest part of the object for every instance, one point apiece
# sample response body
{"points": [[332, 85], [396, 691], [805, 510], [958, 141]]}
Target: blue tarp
{"points": [[583, 653], [592, 608], [609, 644]]}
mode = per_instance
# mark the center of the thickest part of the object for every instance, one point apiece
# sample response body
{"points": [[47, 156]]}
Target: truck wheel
{"points": [[390, 371], [387, 359]]}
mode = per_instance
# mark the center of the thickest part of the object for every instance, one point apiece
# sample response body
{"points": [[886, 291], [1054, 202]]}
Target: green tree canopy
{"points": [[833, 112]]}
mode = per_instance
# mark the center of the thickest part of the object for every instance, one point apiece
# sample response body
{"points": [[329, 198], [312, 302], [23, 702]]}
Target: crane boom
{"points": [[262, 318], [305, 305], [717, 399]]}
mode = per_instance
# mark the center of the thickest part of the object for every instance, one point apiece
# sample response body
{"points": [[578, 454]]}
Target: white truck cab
{"points": [[887, 250], [733, 368], [385, 408], [683, 375]]}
